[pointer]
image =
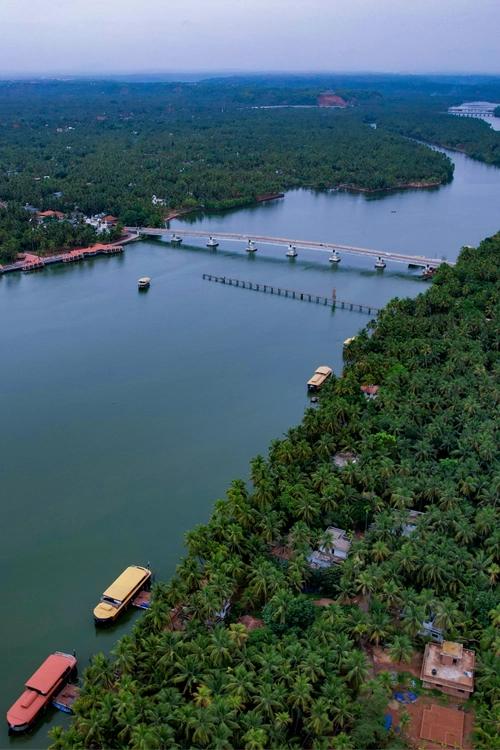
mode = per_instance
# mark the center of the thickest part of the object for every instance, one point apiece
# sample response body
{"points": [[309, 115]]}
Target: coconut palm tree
{"points": [[269, 699], [255, 739], [264, 580], [143, 737], [124, 654], [356, 669], [447, 615], [240, 679], [342, 712], [378, 626], [300, 693], [238, 634], [342, 741], [318, 721], [401, 648], [380, 551]]}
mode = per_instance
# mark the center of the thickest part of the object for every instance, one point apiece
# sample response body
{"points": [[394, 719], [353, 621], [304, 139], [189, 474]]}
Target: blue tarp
{"points": [[387, 722], [406, 696]]}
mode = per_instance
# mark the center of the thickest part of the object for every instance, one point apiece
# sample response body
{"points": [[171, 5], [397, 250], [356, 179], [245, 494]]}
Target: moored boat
{"points": [[144, 283], [335, 257], [428, 272], [175, 239], [251, 247], [212, 242], [319, 378], [42, 686], [119, 595], [379, 263], [291, 252]]}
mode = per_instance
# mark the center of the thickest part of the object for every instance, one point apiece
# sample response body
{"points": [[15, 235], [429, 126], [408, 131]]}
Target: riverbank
{"points": [[403, 186], [199, 662], [178, 213]]}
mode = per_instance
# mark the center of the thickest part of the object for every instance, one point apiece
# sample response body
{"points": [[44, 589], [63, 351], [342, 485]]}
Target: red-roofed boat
{"points": [[42, 686]]}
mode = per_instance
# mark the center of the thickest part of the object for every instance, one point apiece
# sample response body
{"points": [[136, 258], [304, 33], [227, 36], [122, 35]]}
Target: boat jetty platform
{"points": [[64, 700], [28, 262]]}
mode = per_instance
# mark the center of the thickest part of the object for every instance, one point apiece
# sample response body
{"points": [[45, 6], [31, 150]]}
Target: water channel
{"points": [[125, 415]]}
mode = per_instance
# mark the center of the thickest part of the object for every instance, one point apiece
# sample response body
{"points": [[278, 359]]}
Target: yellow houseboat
{"points": [[118, 596], [319, 378]]}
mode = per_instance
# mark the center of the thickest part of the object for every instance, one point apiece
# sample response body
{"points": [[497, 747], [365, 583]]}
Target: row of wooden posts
{"points": [[317, 299]]}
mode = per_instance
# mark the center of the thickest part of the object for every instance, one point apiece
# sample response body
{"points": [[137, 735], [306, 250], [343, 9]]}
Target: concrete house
{"points": [[333, 552], [449, 667]]}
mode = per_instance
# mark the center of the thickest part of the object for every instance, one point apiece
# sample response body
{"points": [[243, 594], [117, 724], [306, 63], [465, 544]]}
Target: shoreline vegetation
{"points": [[149, 152], [248, 646], [420, 185], [142, 152]]}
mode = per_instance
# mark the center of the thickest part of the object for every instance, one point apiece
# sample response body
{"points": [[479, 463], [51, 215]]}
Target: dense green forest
{"points": [[472, 136], [305, 679], [111, 147]]}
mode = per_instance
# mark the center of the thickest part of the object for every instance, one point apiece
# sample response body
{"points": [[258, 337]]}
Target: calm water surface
{"points": [[125, 415]]}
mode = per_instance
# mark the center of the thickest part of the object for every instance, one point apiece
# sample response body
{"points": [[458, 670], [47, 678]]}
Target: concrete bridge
{"points": [[324, 247]]}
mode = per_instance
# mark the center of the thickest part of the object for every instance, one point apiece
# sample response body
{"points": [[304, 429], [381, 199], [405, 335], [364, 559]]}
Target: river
{"points": [[125, 415]]}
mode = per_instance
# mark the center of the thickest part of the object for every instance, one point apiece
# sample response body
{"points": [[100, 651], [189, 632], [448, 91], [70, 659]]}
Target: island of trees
{"points": [[196, 673]]}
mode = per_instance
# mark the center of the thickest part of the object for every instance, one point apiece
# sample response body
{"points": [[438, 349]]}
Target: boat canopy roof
{"points": [[50, 672], [144, 279], [320, 375], [127, 582]]}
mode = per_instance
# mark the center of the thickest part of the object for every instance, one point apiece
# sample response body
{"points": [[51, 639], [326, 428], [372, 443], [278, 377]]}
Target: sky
{"points": [[134, 36]]}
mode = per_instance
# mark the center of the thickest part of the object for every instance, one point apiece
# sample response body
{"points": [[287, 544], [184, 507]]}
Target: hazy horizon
{"points": [[229, 37]]}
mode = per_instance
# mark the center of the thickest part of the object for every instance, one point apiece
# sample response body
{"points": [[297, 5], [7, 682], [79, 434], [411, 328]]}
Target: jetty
{"points": [[28, 262], [142, 600], [416, 261], [65, 699], [316, 299]]}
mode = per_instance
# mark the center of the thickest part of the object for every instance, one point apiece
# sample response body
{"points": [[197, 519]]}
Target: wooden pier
{"points": [[316, 299], [65, 698], [142, 600], [28, 262]]}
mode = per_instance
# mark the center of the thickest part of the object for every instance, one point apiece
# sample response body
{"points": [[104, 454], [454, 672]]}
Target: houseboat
{"points": [[40, 689], [212, 242], [379, 263], [144, 283], [119, 595], [319, 378], [291, 252], [335, 257]]}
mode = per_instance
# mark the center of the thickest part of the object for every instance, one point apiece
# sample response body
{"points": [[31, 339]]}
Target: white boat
{"points": [[212, 242], [144, 282], [291, 252], [175, 239], [251, 247], [379, 263], [335, 257]]}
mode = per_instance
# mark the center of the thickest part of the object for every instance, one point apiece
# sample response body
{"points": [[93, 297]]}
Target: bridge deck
{"points": [[326, 247]]}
